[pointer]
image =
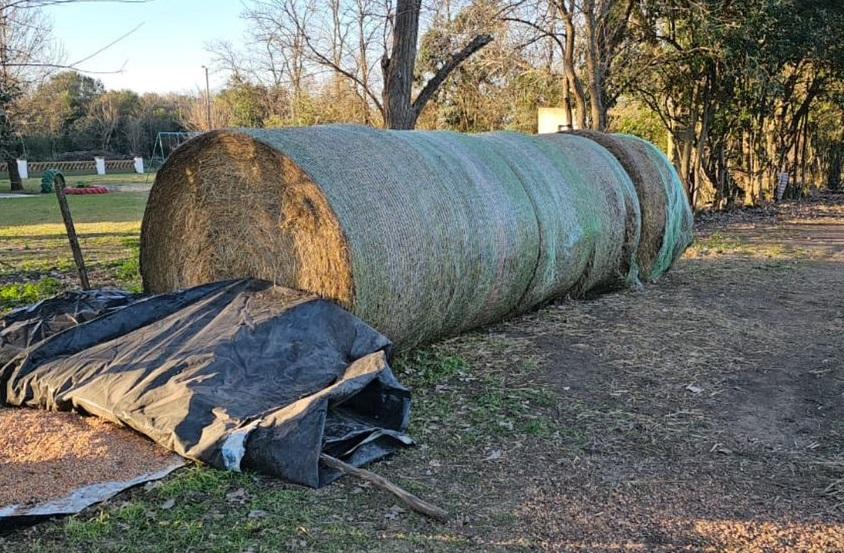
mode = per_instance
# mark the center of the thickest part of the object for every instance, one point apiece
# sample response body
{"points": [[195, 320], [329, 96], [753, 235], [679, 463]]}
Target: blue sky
{"points": [[165, 54]]}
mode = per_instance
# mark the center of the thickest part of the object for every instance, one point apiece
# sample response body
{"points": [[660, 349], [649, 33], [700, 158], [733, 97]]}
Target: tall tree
{"points": [[51, 108], [346, 38], [25, 48], [401, 110], [735, 82]]}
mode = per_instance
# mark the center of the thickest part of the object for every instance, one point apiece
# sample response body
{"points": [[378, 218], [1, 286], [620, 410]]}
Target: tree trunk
{"points": [[593, 68], [14, 175], [804, 154], [567, 104], [399, 111], [836, 164], [576, 86], [399, 67]]}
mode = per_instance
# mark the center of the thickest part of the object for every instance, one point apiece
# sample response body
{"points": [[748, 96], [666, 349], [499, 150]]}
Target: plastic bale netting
{"points": [[587, 211], [421, 234], [679, 228], [236, 374], [667, 221]]}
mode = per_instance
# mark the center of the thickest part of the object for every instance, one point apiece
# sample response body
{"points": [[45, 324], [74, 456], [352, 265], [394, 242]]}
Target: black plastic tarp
{"points": [[25, 327], [236, 374]]}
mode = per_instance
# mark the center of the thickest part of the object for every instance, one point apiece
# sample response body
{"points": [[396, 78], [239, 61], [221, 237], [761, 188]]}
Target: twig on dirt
{"points": [[418, 505]]}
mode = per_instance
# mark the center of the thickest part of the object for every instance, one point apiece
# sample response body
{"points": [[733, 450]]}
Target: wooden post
{"points": [[58, 186]]}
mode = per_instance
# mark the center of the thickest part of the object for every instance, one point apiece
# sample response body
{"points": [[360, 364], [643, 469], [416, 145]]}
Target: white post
{"points": [[100, 161], [139, 165], [782, 185], [23, 171]]}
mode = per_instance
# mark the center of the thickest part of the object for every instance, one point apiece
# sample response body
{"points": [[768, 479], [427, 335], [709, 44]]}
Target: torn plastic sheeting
{"points": [[15, 516], [236, 374]]}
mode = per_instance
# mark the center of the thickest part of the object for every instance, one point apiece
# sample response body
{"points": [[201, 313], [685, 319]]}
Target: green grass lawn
{"points": [[35, 258], [33, 185], [44, 209]]}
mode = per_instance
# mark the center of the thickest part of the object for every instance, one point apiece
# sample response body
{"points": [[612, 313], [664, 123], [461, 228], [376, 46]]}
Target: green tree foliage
{"points": [[73, 115], [735, 83], [246, 103]]}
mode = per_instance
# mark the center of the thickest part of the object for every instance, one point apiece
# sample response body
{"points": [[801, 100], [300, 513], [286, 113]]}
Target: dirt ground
{"points": [[707, 411], [703, 413]]}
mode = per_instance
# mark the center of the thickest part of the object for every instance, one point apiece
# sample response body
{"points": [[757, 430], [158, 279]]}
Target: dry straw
{"points": [[422, 234]]}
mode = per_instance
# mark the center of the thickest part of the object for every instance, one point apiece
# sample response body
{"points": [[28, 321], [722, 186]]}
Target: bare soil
{"points": [[709, 408]]}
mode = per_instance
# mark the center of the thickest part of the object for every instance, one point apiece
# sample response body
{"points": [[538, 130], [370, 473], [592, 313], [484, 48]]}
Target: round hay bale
{"points": [[586, 209], [666, 216], [678, 231], [422, 234]]}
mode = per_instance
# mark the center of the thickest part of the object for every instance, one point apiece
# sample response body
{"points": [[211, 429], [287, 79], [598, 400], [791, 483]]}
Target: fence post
{"points": [[101, 167], [58, 186], [139, 165], [23, 169]]}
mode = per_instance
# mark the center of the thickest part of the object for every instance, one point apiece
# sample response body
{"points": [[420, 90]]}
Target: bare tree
{"points": [[25, 47], [28, 53], [589, 34], [345, 39]]}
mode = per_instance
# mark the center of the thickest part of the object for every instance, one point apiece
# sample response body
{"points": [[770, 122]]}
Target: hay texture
{"points": [[421, 234], [667, 222]]}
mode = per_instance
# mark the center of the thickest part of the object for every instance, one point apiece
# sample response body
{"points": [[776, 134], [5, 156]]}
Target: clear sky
{"points": [[166, 54]]}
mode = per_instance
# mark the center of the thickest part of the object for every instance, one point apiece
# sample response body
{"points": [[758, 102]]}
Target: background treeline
{"points": [[71, 116], [735, 91]]}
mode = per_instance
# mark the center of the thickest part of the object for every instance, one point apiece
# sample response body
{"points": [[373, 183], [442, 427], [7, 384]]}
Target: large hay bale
{"points": [[422, 234], [666, 215], [586, 209], [679, 221]]}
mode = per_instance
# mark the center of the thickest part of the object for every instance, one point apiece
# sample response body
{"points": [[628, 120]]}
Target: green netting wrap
{"points": [[678, 232], [586, 209], [422, 234], [666, 215]]}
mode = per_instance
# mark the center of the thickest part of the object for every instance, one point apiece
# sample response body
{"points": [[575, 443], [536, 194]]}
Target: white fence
{"points": [[96, 166]]}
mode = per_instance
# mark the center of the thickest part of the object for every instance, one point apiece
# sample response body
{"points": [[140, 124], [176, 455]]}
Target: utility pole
{"points": [[207, 97]]}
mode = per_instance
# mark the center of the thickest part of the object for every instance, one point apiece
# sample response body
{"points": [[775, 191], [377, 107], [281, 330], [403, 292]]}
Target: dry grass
{"points": [[38, 258], [227, 206]]}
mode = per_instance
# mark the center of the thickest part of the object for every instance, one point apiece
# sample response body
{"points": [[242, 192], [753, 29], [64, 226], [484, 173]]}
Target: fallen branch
{"points": [[407, 498]]}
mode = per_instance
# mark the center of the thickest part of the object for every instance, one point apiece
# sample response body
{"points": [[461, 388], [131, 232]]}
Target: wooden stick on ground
{"points": [[407, 498], [58, 186]]}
